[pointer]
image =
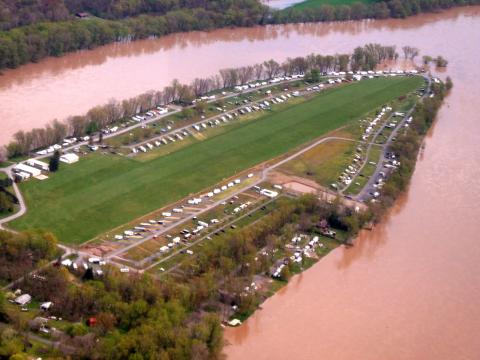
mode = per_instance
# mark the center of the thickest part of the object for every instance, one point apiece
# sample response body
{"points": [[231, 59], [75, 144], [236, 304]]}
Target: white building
{"points": [[27, 169], [37, 164], [69, 158]]}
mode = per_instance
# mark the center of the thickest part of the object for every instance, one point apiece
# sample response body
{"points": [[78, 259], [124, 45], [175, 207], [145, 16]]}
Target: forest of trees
{"points": [[363, 58], [20, 253], [33, 42], [35, 29], [16, 13]]}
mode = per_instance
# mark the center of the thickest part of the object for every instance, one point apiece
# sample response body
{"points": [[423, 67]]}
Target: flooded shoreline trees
{"points": [[99, 117]]}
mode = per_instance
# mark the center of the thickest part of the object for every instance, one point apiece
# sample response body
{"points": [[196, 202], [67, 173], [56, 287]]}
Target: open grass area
{"points": [[104, 191], [317, 3], [322, 163]]}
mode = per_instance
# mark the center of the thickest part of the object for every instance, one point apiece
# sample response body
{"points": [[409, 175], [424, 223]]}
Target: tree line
{"points": [[16, 13], [360, 10], [99, 117], [39, 28]]}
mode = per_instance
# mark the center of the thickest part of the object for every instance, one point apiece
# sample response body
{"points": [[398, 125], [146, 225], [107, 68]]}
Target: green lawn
{"points": [[101, 192], [316, 3], [322, 164]]}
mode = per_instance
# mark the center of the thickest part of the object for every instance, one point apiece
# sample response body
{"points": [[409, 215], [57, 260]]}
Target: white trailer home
{"points": [[37, 164], [24, 168]]}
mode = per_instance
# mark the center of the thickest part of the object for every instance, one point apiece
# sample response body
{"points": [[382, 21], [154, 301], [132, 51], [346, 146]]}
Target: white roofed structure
{"points": [[69, 158], [27, 169], [37, 164]]}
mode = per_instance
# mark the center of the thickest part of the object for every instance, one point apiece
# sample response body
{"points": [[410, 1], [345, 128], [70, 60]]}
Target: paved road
{"points": [[21, 202]]}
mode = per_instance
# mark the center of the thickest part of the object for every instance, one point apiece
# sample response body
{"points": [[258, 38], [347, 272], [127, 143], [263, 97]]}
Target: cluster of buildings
{"points": [[161, 141], [150, 114], [37, 168], [223, 118], [300, 246], [351, 170]]}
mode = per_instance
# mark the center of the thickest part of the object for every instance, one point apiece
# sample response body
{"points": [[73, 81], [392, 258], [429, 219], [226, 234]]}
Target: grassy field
{"points": [[322, 163], [316, 3], [104, 191]]}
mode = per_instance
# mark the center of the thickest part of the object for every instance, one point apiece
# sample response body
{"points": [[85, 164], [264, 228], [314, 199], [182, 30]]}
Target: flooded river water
{"points": [[58, 87], [407, 290], [410, 288]]}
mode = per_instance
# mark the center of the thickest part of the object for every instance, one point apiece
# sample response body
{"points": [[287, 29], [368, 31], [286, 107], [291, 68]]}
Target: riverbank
{"points": [[77, 82], [19, 47], [260, 335], [410, 136]]}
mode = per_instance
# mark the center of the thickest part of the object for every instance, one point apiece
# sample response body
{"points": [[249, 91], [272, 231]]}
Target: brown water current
{"points": [[410, 289], [35, 94]]}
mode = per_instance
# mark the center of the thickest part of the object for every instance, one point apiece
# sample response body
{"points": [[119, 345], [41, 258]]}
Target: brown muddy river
{"points": [[410, 289], [58, 87]]}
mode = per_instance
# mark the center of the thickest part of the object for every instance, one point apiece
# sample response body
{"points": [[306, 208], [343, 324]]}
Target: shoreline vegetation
{"points": [[118, 112], [33, 32]]}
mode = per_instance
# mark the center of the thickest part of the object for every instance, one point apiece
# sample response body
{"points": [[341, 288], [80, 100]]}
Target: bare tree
{"points": [[129, 107], [245, 74], [271, 68], [225, 76], [185, 94], [3, 154], [201, 86], [77, 125], [410, 52], [258, 70], [414, 53]]}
